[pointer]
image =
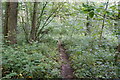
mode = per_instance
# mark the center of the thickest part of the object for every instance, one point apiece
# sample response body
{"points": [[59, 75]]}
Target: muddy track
{"points": [[66, 69]]}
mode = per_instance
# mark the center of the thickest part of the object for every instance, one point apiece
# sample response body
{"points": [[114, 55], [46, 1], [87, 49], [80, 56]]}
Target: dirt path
{"points": [[66, 69]]}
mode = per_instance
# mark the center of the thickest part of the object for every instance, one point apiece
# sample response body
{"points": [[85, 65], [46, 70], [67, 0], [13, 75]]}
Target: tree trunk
{"points": [[10, 23], [88, 23], [88, 26], [34, 23], [103, 22], [117, 55]]}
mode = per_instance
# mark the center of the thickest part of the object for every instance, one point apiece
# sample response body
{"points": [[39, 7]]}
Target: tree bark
{"points": [[88, 23], [10, 23], [88, 26], [117, 55], [103, 22], [34, 23]]}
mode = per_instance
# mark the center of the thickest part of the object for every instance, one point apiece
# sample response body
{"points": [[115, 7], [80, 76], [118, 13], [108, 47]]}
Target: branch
{"points": [[109, 17], [41, 16], [45, 23]]}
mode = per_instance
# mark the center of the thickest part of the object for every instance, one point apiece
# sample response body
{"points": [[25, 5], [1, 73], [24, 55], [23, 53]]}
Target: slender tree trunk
{"points": [[10, 23], [34, 23], [117, 55], [1, 49], [88, 26], [88, 23], [103, 22]]}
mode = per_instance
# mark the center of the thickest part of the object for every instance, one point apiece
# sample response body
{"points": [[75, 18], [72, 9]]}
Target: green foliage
{"points": [[88, 58], [30, 61], [91, 14], [92, 61]]}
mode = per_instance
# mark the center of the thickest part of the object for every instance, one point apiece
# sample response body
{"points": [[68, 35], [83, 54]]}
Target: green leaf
{"points": [[84, 5], [91, 14]]}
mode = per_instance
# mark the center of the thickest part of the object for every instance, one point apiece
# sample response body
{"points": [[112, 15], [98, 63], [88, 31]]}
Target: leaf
{"points": [[11, 75], [84, 5], [91, 14]]}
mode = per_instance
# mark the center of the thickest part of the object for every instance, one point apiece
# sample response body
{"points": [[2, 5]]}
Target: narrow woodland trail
{"points": [[66, 69]]}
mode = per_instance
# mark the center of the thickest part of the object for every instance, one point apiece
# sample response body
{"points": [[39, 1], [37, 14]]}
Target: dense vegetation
{"points": [[88, 30]]}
